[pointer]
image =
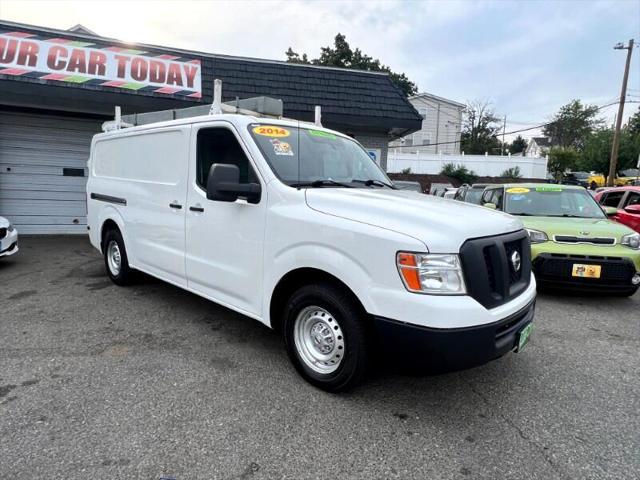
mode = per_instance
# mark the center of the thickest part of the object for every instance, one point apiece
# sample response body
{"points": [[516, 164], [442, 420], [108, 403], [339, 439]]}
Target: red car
{"points": [[626, 200]]}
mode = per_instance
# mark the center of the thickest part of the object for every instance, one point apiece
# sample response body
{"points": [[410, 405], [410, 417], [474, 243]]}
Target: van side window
{"points": [[220, 145]]}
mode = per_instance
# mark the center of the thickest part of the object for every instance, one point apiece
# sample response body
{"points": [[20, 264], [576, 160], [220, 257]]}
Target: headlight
{"points": [[431, 273], [632, 241], [536, 236]]}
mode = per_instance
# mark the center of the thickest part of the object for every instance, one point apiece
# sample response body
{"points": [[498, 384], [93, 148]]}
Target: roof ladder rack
{"points": [[262, 107]]}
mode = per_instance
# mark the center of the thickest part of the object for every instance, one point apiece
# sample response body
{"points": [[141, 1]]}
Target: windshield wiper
{"points": [[522, 214], [322, 183], [380, 183]]}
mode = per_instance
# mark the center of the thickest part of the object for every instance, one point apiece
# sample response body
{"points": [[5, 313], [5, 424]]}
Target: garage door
{"points": [[43, 160]]}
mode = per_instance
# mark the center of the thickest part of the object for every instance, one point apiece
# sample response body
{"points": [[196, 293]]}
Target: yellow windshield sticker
{"points": [[518, 190], [271, 131]]}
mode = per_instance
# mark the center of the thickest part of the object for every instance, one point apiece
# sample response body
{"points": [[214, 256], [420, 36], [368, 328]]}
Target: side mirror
{"points": [[635, 209], [610, 211], [492, 206], [223, 185]]}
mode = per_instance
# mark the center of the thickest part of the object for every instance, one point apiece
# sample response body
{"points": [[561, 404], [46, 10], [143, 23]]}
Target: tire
{"points": [[116, 261], [335, 355]]}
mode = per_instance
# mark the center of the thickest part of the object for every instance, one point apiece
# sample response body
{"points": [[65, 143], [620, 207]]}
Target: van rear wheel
{"points": [[326, 337], [115, 259]]}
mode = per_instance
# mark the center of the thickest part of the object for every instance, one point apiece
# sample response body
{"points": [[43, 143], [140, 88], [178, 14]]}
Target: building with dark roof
{"points": [[58, 86]]}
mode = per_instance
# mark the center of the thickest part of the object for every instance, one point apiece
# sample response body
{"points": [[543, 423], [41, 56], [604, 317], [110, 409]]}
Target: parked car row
{"points": [[577, 241], [592, 180]]}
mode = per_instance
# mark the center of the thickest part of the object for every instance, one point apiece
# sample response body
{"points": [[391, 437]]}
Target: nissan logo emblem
{"points": [[516, 261]]}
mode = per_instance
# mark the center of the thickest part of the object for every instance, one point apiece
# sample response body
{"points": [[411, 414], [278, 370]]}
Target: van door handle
{"points": [[196, 209], [177, 206]]}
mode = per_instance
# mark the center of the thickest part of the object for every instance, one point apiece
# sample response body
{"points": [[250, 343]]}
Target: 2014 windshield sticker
{"points": [[271, 131], [281, 148], [320, 133], [518, 190], [548, 189]]}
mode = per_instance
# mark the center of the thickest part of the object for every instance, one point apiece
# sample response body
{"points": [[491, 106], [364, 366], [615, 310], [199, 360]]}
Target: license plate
{"points": [[523, 336], [586, 271]]}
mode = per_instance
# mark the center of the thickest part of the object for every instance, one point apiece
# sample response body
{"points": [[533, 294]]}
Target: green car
{"points": [[573, 243]]}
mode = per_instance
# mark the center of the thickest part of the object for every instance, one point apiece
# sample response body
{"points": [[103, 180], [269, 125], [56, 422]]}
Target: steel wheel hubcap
{"points": [[113, 257], [319, 339]]}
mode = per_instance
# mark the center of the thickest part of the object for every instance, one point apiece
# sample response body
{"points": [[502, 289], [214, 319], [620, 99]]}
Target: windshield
{"points": [[551, 201], [304, 156]]}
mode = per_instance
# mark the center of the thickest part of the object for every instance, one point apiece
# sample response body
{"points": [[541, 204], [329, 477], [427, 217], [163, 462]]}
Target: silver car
{"points": [[8, 238]]}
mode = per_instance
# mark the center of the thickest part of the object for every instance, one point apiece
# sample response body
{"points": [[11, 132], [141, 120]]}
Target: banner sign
{"points": [[82, 62]]}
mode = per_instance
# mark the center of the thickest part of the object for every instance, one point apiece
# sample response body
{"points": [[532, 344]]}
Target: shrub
{"points": [[459, 172], [406, 171], [513, 172]]}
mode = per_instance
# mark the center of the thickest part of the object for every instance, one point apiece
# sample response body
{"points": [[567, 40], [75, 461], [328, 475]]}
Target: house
{"points": [[57, 87], [538, 147], [441, 126]]}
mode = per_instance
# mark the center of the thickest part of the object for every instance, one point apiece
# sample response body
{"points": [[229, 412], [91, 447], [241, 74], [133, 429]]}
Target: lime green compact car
{"points": [[573, 243]]}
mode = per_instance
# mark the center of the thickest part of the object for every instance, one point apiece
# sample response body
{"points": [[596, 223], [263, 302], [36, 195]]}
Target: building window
{"points": [[423, 112], [422, 139], [408, 141]]}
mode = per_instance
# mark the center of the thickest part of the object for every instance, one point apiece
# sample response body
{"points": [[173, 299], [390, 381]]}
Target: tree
{"points": [[341, 55], [518, 145], [562, 159], [573, 123], [633, 126], [479, 130]]}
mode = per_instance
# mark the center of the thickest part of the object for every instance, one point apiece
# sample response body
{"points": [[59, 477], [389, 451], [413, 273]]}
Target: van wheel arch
{"points": [[107, 226], [301, 277]]}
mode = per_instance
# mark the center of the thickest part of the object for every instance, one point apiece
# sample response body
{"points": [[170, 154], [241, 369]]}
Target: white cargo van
{"points": [[297, 227]]}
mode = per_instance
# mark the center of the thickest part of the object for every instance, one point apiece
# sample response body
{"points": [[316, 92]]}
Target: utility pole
{"points": [[613, 164], [504, 127]]}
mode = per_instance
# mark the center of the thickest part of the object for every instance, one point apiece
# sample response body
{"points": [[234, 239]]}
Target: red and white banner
{"points": [[81, 62]]}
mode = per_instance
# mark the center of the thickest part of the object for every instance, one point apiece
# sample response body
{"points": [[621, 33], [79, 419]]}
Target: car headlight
{"points": [[536, 236], [632, 241], [439, 274]]}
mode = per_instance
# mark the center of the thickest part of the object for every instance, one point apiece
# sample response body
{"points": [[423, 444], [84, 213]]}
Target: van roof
{"points": [[237, 119]]}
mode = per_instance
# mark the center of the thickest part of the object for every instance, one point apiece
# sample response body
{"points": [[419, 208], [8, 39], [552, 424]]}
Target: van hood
{"points": [[442, 225]]}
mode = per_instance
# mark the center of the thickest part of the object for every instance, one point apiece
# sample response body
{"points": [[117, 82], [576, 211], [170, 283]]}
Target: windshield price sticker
{"points": [[281, 148], [518, 190], [320, 133], [271, 131], [548, 189]]}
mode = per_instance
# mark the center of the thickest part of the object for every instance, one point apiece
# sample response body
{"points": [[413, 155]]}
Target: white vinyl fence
{"points": [[482, 165]]}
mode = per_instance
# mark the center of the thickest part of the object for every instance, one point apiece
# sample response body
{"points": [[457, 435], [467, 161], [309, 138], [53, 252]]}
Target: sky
{"points": [[527, 57]]}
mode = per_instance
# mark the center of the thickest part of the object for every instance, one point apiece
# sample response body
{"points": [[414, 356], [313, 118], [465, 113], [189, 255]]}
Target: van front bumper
{"points": [[440, 350]]}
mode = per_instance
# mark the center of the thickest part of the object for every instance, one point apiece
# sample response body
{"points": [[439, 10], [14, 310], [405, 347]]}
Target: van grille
{"points": [[489, 274]]}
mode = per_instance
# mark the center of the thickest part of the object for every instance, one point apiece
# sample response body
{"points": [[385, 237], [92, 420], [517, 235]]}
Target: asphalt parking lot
{"points": [[98, 381]]}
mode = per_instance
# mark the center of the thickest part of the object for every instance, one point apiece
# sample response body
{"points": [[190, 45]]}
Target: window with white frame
{"points": [[423, 112]]}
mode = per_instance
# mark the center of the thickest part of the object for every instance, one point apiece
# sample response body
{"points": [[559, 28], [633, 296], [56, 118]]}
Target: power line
{"points": [[513, 131]]}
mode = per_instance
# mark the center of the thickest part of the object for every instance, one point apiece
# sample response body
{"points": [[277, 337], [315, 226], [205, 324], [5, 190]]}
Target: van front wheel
{"points": [[326, 337], [115, 259]]}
